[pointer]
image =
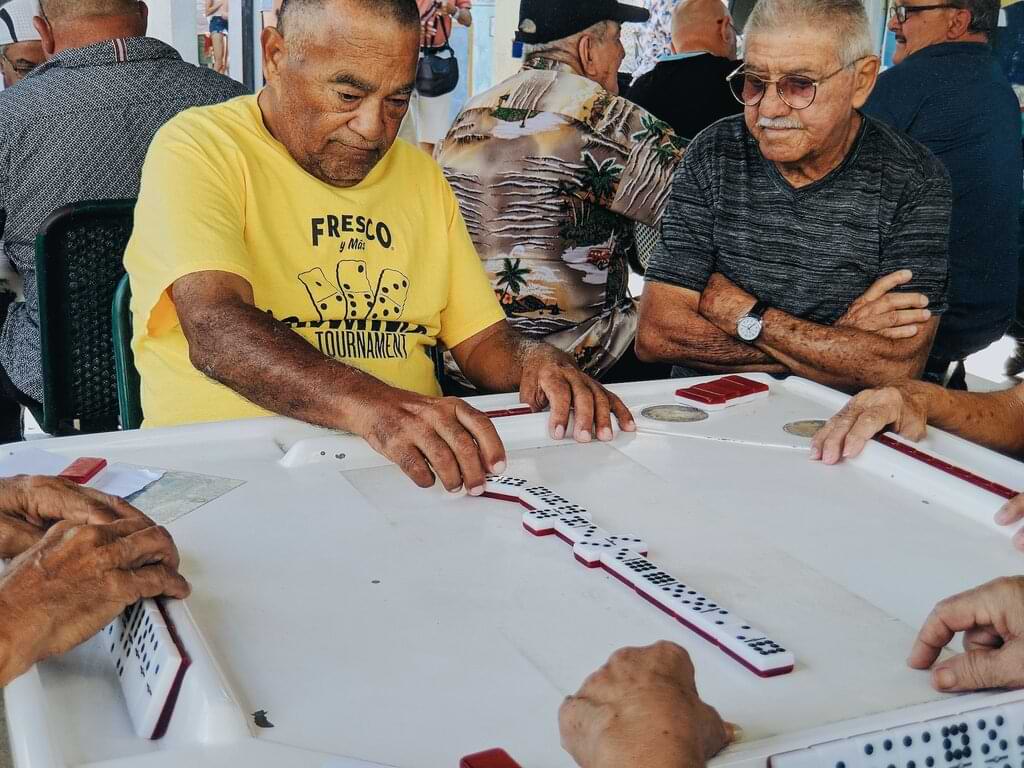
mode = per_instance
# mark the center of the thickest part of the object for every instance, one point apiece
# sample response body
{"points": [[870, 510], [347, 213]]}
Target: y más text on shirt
{"points": [[339, 227]]}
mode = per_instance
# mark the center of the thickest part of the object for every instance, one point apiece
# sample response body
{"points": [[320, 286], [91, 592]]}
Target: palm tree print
{"points": [[600, 180], [512, 277]]}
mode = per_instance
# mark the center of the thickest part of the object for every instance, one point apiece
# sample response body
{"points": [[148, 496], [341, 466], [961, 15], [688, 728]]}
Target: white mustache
{"points": [[779, 122]]}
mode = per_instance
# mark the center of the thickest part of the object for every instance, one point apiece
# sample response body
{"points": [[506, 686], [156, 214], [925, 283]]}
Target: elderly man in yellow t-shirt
{"points": [[290, 257]]}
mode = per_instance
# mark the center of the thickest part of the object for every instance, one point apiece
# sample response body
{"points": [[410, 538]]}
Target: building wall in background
{"points": [[174, 22]]}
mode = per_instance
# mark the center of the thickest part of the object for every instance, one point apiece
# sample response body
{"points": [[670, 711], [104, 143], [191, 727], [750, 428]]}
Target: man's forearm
{"points": [[697, 343], [270, 365], [993, 419], [845, 358], [498, 362]]}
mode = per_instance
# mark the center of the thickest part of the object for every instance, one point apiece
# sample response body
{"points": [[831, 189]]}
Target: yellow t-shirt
{"points": [[373, 275]]}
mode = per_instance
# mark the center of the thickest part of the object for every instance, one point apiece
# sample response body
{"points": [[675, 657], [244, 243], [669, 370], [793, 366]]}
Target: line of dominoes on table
{"points": [[624, 557]]}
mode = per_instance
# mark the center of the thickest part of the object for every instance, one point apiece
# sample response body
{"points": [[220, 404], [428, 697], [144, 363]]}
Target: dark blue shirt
{"points": [[955, 99]]}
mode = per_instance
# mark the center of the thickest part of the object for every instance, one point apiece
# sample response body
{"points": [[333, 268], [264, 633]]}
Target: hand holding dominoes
{"points": [[75, 581], [425, 436], [550, 378], [30, 505], [992, 620], [642, 708]]}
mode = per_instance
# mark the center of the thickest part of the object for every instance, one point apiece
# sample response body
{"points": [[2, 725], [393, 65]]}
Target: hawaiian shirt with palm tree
{"points": [[552, 172]]}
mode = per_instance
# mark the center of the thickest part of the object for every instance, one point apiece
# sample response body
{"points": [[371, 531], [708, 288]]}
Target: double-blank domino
{"points": [[624, 557], [149, 664]]}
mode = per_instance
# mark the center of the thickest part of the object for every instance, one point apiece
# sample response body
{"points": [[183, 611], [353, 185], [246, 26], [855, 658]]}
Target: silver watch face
{"points": [[750, 328]]}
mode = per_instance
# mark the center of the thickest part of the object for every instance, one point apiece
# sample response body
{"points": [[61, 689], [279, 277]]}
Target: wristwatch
{"points": [[751, 325]]}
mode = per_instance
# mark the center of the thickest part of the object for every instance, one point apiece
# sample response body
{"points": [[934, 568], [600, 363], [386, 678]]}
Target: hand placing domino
{"points": [[723, 393], [150, 665]]}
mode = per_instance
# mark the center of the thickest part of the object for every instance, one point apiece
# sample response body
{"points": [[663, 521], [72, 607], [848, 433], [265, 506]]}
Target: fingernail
{"points": [[584, 436], [927, 314], [559, 432], [1003, 516], [498, 468], [605, 434], [945, 678], [737, 731], [815, 453], [478, 491]]}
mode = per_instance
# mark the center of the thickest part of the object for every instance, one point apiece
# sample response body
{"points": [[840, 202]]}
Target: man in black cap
{"points": [[552, 170]]}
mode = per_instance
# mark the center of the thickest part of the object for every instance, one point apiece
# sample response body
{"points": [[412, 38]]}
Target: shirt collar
{"points": [[549, 65], [681, 56], [117, 51]]}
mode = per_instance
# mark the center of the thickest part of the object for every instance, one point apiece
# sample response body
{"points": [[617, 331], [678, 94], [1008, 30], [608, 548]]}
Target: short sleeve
{"points": [[685, 255], [918, 238], [189, 218], [472, 306]]}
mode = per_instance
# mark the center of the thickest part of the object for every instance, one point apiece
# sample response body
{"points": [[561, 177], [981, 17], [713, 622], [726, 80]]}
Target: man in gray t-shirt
{"points": [[802, 236]]}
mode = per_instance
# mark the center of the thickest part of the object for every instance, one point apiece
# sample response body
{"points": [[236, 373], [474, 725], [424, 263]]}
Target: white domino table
{"points": [[372, 620]]}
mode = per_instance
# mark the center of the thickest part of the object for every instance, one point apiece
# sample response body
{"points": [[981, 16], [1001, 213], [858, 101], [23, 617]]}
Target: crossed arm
{"points": [[885, 335]]}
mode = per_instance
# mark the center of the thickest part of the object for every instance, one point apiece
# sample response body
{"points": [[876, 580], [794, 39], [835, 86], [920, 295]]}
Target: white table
{"points": [[376, 620]]}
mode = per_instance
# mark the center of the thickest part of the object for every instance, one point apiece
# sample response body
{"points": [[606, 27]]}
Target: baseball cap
{"points": [[541, 21], [16, 21]]}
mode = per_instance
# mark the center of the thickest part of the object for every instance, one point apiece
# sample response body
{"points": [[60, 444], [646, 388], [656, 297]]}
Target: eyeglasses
{"points": [[901, 12], [796, 91]]}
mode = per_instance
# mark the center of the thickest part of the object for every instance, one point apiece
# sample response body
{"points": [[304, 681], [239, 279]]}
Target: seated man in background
{"points": [[688, 88], [289, 256], [77, 128], [81, 558], [642, 708], [785, 223], [949, 92], [552, 170], [21, 49]]}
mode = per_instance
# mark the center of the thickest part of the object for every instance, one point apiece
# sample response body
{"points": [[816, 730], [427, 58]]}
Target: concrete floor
{"points": [[985, 365]]}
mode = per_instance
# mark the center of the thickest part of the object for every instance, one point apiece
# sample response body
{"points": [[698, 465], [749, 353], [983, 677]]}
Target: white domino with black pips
{"points": [[624, 557], [979, 738], [149, 664]]}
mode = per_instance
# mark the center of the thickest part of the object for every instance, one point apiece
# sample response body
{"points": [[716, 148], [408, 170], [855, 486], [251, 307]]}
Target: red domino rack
{"points": [[949, 469]]}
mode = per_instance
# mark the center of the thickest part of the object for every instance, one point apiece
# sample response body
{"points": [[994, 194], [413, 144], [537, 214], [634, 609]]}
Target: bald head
{"points": [[67, 10], [67, 24], [703, 25]]}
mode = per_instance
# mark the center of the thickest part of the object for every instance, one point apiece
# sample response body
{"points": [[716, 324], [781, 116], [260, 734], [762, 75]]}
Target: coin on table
{"points": [[807, 428], [673, 413]]}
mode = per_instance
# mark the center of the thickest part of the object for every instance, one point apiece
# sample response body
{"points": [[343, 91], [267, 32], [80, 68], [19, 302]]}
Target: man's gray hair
{"points": [[403, 11], [847, 19], [556, 48], [984, 15]]}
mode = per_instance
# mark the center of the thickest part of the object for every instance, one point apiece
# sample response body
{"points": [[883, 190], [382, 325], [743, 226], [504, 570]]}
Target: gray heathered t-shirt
{"points": [[809, 252]]}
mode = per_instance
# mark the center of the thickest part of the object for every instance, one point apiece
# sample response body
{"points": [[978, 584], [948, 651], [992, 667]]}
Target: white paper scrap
{"points": [[116, 479]]}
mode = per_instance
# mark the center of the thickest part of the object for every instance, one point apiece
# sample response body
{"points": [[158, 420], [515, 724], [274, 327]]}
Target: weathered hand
{"points": [[724, 303], [551, 378], [29, 505], [903, 407], [642, 709], [992, 620], [75, 581], [1011, 513], [887, 311], [425, 436]]}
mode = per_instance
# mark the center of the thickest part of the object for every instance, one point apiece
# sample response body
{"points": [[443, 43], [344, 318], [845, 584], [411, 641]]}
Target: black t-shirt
{"points": [[810, 251], [689, 94]]}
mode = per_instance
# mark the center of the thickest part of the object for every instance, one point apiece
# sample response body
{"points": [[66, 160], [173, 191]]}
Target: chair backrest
{"points": [[79, 261], [129, 384]]}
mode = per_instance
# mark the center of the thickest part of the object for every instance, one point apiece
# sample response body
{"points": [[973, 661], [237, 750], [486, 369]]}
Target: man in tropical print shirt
{"points": [[553, 170]]}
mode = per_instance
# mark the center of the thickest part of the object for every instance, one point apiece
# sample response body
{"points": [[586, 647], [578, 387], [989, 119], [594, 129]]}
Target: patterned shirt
{"points": [[552, 171], [655, 37], [77, 128]]}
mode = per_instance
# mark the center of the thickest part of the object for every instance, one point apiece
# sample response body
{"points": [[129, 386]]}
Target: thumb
{"points": [[980, 669]]}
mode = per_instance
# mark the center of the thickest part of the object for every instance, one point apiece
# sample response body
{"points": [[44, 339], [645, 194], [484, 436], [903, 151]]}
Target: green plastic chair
{"points": [[129, 385], [79, 261]]}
